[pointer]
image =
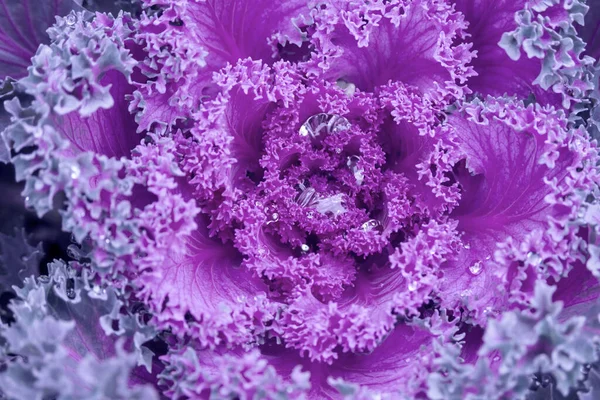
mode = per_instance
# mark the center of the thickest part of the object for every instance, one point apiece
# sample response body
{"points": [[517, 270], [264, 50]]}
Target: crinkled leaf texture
{"points": [[57, 347], [370, 44], [310, 202], [275, 372], [547, 30], [517, 162], [496, 73], [524, 352], [18, 259], [190, 40]]}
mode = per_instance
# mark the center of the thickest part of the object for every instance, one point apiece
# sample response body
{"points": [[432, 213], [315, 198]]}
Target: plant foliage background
{"points": [[328, 199]]}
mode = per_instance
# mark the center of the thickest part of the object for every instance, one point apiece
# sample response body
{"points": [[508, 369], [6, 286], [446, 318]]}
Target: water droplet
{"points": [[319, 125], [534, 259], [585, 370], [71, 19], [370, 225], [476, 268], [535, 385], [338, 150], [359, 173], [348, 87], [74, 252], [545, 381], [467, 246], [332, 204], [412, 286], [308, 197], [27, 199], [96, 289], [274, 218], [496, 358], [75, 172], [71, 288], [488, 310], [304, 247]]}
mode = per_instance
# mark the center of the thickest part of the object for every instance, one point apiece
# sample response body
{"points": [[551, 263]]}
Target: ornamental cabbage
{"points": [[332, 199]]}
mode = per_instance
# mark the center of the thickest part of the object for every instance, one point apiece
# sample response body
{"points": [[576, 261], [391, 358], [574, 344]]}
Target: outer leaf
{"points": [[497, 73], [200, 39], [515, 169], [547, 30], [59, 350], [24, 25], [368, 44], [18, 259]]}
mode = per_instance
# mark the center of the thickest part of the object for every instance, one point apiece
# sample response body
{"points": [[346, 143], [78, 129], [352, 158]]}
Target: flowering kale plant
{"points": [[302, 199]]}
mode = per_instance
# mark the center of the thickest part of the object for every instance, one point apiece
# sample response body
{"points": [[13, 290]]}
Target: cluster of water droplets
{"points": [[318, 126]]}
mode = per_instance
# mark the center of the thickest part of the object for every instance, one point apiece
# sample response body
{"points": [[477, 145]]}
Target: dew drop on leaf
{"points": [[71, 19], [331, 205], [534, 259], [307, 197], [370, 225], [320, 125], [359, 173], [75, 172], [274, 218], [476, 268], [71, 288]]}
